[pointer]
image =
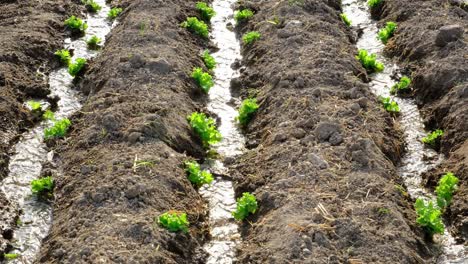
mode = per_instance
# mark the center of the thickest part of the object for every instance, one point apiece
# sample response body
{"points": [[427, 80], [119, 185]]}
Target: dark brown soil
{"points": [[440, 82], [322, 148], [30, 32], [138, 95]]}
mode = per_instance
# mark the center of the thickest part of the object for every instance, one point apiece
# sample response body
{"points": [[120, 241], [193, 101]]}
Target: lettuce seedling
{"points": [[76, 25], [196, 26], [210, 62], [58, 130], [374, 3], [345, 19], [246, 205], [91, 6], [197, 176], [174, 221], [114, 13], [389, 105], [369, 61], [64, 56], [93, 43], [205, 127], [429, 217], [77, 68], [246, 111], [243, 15], [387, 32], [251, 37], [433, 138], [402, 86], [203, 79], [43, 187], [447, 186], [11, 256], [206, 12], [35, 105], [48, 115]]}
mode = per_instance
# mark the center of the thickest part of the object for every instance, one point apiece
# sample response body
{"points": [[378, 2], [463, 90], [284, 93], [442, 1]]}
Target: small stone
{"points": [[448, 34], [325, 130], [134, 137]]}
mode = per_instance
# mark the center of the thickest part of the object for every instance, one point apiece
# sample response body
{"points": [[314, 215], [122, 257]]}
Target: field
{"points": [[129, 129]]}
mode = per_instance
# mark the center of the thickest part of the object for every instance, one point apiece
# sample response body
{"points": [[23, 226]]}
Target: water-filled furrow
{"points": [[417, 158], [220, 194], [31, 152]]}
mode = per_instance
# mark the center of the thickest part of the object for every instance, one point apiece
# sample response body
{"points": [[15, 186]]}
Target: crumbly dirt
{"points": [[30, 32], [440, 84], [138, 95], [321, 148]]}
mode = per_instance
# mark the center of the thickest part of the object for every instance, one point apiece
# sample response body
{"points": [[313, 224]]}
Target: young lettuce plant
{"points": [[429, 217], [369, 61], [206, 11], [203, 79], [389, 105], [246, 205], [11, 256], [251, 37], [58, 130], [197, 176], [374, 3], [402, 86], [93, 43], [196, 26], [48, 115], [43, 186], [64, 56], [174, 221], [76, 25], [445, 189], [209, 60], [205, 127], [387, 32], [114, 13], [433, 138], [91, 6], [345, 19], [77, 68], [34, 105], [246, 111], [243, 15]]}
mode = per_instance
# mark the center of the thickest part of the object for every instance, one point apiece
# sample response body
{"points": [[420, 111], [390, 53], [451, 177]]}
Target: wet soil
{"points": [[440, 85], [30, 32], [322, 150]]}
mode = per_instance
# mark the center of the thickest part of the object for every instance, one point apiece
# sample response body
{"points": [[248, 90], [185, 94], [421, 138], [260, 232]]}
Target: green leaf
{"points": [[246, 111], [246, 205], [205, 127], [196, 175], [174, 221]]}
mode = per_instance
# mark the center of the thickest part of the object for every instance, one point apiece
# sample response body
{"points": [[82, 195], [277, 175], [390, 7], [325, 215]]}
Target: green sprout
{"points": [[251, 37], [389, 105], [43, 186], [77, 68], [369, 61], [48, 115], [246, 111], [203, 79], [345, 19], [402, 86], [433, 138], [91, 6], [387, 32], [114, 13], [246, 205], [35, 105], [374, 3], [206, 11], [243, 15], [11, 256], [197, 176], [205, 127], [64, 56], [429, 217], [76, 25], [447, 186], [174, 221], [93, 43], [197, 26], [210, 62], [58, 130]]}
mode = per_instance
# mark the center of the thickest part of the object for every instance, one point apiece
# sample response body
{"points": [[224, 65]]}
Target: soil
{"points": [[440, 85], [138, 95], [322, 155], [30, 32]]}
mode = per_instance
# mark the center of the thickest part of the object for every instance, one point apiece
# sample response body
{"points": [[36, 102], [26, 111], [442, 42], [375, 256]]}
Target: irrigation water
{"points": [[31, 152], [220, 194], [417, 159]]}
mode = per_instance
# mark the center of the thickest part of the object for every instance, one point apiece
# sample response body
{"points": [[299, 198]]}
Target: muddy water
{"points": [[417, 158], [31, 152], [220, 194]]}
